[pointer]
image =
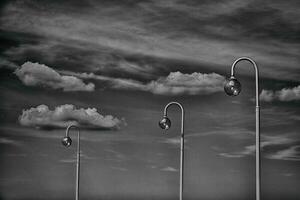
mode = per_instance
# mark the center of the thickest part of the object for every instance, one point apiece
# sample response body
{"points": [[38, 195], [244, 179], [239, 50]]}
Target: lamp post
{"points": [[165, 123], [233, 87], [66, 141]]}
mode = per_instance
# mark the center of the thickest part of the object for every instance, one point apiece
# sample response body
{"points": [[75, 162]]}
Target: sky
{"points": [[110, 67]]}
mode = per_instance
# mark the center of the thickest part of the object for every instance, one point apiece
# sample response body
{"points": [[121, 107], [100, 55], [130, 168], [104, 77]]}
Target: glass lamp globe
{"points": [[165, 123], [232, 86], [66, 141]]}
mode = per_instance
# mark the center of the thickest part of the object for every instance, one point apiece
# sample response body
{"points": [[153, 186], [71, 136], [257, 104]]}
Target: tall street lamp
{"points": [[66, 141], [165, 123], [233, 87]]}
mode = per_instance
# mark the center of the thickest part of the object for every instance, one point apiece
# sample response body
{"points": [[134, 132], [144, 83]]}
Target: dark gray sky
{"points": [[112, 66]]}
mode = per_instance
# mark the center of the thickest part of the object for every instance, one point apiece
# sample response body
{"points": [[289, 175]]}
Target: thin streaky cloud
{"points": [[83, 158], [169, 169], [6, 64], [8, 141], [269, 141], [172, 141], [292, 153], [176, 83]]}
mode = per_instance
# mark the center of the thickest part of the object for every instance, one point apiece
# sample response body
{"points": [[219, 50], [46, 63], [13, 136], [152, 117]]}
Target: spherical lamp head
{"points": [[232, 86], [165, 123], [66, 141]]}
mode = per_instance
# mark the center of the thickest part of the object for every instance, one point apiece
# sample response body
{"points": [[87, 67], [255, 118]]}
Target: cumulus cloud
{"points": [[285, 94], [176, 83], [267, 95], [64, 115], [32, 74]]}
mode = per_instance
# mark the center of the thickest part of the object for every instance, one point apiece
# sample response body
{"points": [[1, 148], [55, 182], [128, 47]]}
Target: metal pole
{"points": [[257, 123], [77, 160], [181, 145], [257, 141], [78, 166]]}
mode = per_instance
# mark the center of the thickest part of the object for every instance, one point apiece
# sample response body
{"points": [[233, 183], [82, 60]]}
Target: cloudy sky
{"points": [[110, 67]]}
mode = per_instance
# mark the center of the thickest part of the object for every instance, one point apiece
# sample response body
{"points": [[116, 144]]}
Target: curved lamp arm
{"points": [[72, 126], [256, 75], [182, 113]]}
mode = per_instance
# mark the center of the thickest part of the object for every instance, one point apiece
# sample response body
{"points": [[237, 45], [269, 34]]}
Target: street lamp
{"points": [[233, 87], [165, 123], [67, 141]]}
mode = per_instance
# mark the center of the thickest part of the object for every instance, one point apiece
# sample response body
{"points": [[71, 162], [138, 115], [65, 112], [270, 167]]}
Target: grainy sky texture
{"points": [[111, 66]]}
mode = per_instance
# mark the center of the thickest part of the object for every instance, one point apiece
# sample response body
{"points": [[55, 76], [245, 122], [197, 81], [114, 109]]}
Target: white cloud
{"points": [[169, 169], [231, 155], [267, 95], [32, 74], [292, 154], [285, 94], [289, 94], [62, 116], [176, 83], [172, 141]]}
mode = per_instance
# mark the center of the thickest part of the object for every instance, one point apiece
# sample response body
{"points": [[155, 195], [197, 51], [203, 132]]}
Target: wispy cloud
{"points": [[64, 115], [285, 94], [238, 133], [116, 156], [83, 157], [292, 153], [9, 142], [176, 83], [4, 63], [288, 153], [35, 74], [169, 169], [172, 141]]}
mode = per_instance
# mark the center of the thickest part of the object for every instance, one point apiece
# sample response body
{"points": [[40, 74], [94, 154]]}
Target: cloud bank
{"points": [[64, 115], [285, 94], [194, 31], [34, 74], [176, 83]]}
